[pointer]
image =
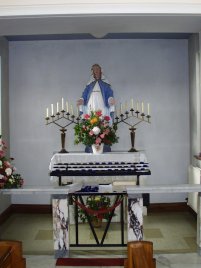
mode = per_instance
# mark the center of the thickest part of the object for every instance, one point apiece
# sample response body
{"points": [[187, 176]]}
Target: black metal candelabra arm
{"points": [[139, 117], [71, 119]]}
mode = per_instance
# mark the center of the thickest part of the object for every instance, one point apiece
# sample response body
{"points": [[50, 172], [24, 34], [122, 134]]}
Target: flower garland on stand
{"points": [[95, 203], [95, 129], [8, 177]]}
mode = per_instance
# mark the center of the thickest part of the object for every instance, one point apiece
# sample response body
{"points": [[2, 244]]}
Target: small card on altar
{"points": [[105, 188], [121, 185]]}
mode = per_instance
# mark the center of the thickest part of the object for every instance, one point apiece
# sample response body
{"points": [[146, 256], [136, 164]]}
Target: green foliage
{"points": [[14, 181], [96, 203]]}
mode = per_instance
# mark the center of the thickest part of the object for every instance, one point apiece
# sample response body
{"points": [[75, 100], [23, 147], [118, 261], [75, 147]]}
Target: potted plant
{"points": [[95, 130], [8, 177], [95, 203]]}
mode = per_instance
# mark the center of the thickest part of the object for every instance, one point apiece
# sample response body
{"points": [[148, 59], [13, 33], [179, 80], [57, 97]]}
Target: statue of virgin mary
{"points": [[97, 95]]}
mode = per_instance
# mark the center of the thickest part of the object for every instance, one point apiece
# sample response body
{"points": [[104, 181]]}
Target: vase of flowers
{"points": [[8, 177], [95, 129], [94, 205], [97, 148]]}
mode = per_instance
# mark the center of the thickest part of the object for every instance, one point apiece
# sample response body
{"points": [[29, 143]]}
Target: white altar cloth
{"points": [[105, 157]]}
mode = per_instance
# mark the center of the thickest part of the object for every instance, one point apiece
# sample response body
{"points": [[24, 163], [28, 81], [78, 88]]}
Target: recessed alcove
{"points": [[152, 58], [155, 71]]}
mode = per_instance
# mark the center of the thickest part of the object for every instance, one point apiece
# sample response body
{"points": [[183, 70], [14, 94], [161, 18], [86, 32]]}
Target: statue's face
{"points": [[96, 72]]}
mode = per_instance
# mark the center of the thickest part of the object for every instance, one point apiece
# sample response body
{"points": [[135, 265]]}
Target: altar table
{"points": [[62, 165], [61, 217], [78, 199]]}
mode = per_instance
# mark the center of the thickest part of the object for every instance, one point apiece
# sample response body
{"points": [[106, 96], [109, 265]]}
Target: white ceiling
{"points": [[98, 25]]}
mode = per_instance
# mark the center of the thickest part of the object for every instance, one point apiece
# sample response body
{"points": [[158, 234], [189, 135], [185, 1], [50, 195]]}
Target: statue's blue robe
{"points": [[106, 91]]}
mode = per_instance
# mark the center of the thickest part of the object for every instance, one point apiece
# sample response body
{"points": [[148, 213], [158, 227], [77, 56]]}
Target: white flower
{"points": [[8, 171], [96, 130]]}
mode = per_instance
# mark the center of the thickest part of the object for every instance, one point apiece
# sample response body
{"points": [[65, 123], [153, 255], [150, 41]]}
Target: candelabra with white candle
{"points": [[133, 117], [62, 115]]}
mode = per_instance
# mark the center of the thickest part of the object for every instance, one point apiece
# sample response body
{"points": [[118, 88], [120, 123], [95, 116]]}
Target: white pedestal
{"points": [[135, 218], [60, 225]]}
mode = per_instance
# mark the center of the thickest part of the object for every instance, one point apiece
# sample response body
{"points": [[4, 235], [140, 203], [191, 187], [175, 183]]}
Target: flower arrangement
{"points": [[8, 179], [95, 129], [95, 203]]}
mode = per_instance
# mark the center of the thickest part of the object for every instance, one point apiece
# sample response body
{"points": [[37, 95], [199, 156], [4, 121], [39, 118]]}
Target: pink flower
{"points": [[102, 135], [2, 154], [107, 118], [91, 133], [7, 164], [99, 113], [107, 131], [98, 140], [86, 116]]}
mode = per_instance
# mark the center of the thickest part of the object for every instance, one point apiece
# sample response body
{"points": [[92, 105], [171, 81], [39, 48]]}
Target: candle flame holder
{"points": [[54, 119], [138, 117]]}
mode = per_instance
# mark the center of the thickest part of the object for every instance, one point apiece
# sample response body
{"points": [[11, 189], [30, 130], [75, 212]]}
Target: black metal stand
{"points": [[138, 117], [54, 119], [119, 196]]}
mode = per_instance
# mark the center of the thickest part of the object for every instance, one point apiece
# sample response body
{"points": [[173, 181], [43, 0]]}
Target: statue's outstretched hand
{"points": [[111, 101], [80, 102]]}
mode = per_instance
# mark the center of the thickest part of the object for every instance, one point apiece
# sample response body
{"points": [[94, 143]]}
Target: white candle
{"points": [[137, 106], [52, 108], [72, 109], [115, 111], [121, 108], [67, 106], [142, 107], [126, 106], [62, 104], [148, 109], [47, 112], [57, 107], [132, 104]]}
